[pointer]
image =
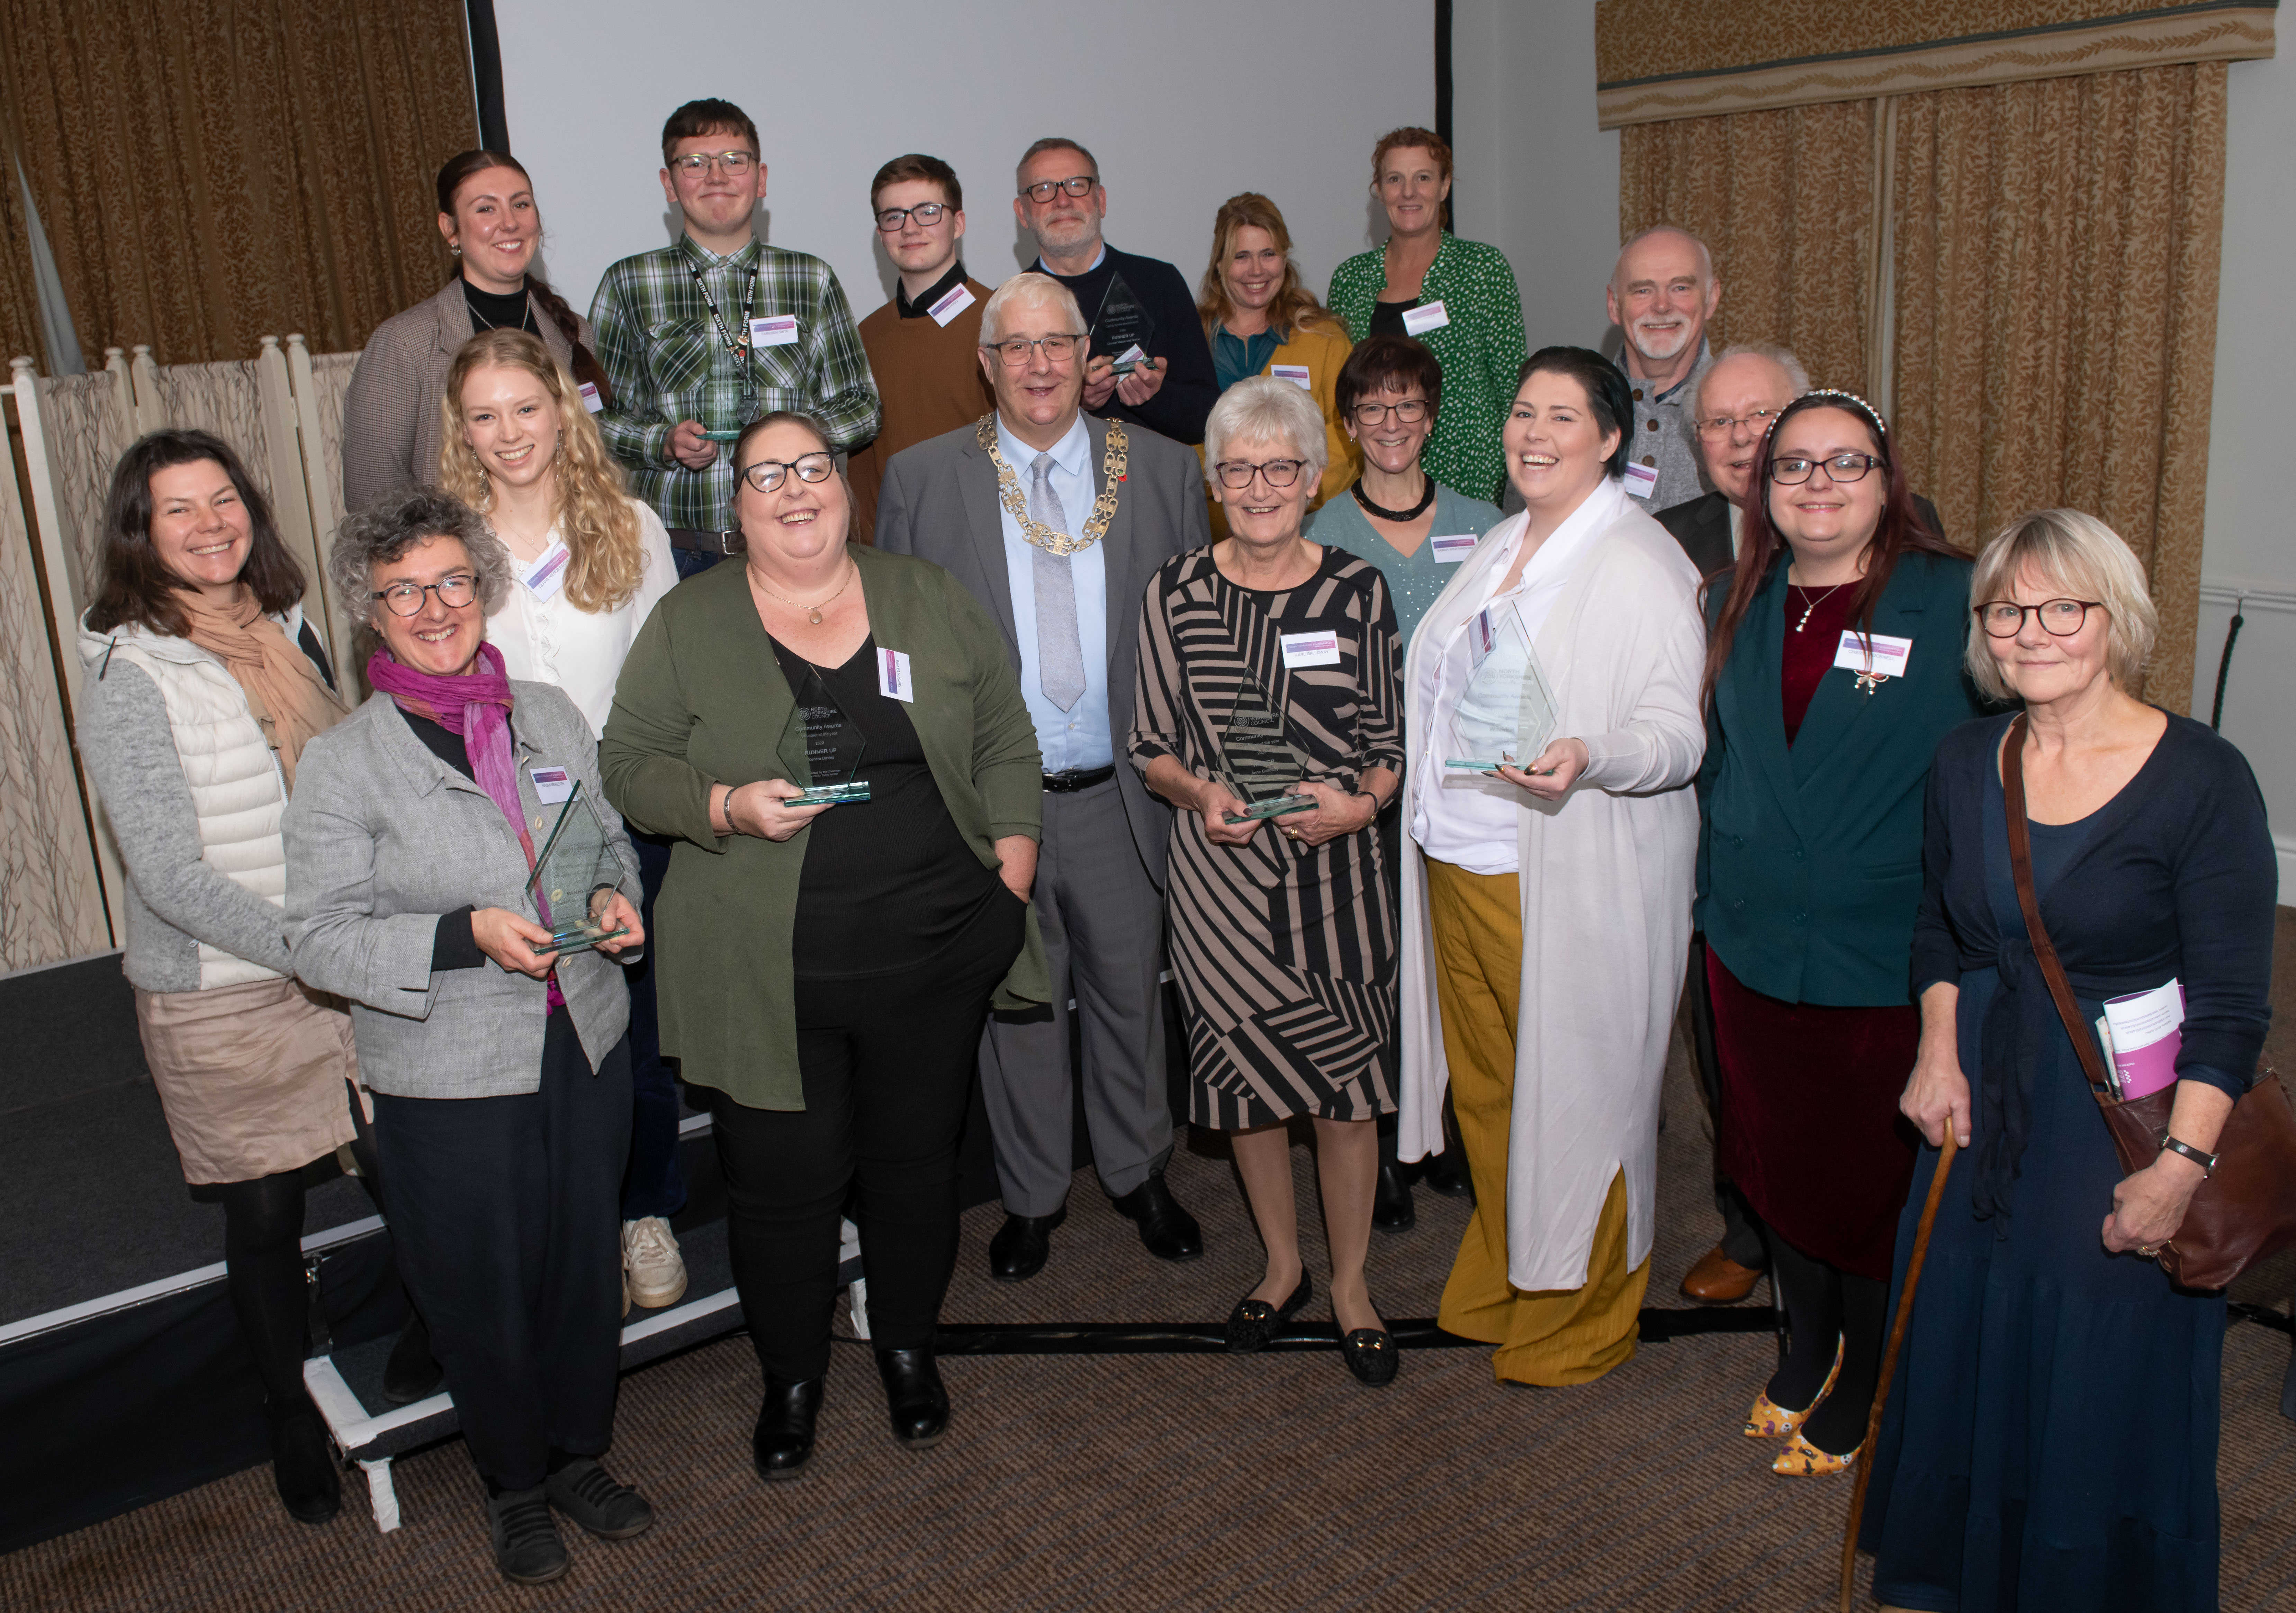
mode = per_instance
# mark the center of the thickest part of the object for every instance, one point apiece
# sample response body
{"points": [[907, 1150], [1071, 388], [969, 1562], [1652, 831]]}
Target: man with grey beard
{"points": [[1661, 296]]}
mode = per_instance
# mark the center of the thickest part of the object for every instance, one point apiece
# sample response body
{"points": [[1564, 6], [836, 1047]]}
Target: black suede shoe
{"points": [[1018, 1250], [527, 1547], [412, 1373], [784, 1442], [583, 1491], [1254, 1322], [1391, 1209], [1167, 1231], [914, 1395], [1370, 1355], [302, 1464], [1446, 1174]]}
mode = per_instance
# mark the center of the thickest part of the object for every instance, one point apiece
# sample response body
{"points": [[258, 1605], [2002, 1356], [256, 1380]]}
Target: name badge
{"points": [[590, 398], [953, 302], [1297, 374], [1311, 649], [552, 786], [1885, 658], [547, 574], [1419, 320], [893, 680], [1451, 550], [1641, 481], [1482, 636], [773, 331]]}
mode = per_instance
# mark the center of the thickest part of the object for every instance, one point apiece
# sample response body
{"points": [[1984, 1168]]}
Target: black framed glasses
{"points": [[1015, 352], [1235, 474], [1839, 468], [1075, 184], [1411, 411], [765, 474], [926, 213], [1722, 425], [455, 591], [2059, 618]]}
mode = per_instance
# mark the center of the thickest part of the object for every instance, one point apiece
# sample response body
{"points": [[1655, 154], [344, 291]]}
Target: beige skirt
{"points": [[252, 1076]]}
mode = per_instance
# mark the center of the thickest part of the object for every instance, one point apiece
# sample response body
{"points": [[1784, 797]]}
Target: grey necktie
{"points": [[1059, 653]]}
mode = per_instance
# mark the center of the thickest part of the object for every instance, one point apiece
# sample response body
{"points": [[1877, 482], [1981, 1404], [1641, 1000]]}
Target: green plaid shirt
{"points": [[663, 353]]}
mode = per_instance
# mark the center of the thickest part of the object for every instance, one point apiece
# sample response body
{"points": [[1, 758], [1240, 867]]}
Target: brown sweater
{"points": [[928, 377]]}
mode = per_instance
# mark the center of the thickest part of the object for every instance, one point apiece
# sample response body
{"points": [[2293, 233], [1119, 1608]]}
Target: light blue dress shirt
{"points": [[1078, 737]]}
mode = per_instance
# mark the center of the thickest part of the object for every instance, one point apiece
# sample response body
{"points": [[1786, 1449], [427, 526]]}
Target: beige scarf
{"points": [[284, 691]]}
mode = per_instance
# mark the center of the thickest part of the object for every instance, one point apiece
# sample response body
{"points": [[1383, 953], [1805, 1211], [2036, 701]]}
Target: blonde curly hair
{"points": [[605, 547]]}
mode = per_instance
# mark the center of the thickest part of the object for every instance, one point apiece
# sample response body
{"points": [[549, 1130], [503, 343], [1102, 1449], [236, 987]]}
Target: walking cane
{"points": [[1946, 1150]]}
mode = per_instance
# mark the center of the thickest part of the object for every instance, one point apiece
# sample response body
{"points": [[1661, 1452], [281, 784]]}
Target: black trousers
{"points": [[505, 1216], [888, 1064]]}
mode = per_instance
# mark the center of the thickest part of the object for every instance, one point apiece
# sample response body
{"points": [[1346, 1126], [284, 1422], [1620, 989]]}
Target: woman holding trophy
{"points": [[1553, 715], [834, 739], [1266, 712]]}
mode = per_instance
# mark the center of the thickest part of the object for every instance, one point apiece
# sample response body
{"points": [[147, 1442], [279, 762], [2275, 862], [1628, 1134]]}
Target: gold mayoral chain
{"points": [[1104, 510]]}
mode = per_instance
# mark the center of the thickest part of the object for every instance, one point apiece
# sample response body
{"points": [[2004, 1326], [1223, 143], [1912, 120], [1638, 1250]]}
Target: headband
{"points": [[1835, 397]]}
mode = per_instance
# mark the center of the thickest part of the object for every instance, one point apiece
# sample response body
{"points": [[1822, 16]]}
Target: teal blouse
{"points": [[1414, 580], [1237, 357]]}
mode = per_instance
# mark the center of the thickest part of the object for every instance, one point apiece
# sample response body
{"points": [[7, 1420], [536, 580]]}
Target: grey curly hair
{"points": [[388, 528]]}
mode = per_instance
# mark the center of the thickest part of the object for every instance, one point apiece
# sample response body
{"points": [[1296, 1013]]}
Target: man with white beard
{"points": [[1662, 295]]}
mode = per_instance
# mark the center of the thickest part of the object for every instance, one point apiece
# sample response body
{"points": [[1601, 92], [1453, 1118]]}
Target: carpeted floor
{"points": [[1146, 1482]]}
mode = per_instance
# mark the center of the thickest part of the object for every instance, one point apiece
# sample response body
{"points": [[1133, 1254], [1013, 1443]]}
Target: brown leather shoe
{"points": [[1718, 1280]]}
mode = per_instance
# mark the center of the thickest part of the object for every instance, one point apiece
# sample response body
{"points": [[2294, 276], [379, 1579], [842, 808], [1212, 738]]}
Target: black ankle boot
{"points": [[412, 1373], [302, 1462], [1391, 1209], [783, 1441], [914, 1395]]}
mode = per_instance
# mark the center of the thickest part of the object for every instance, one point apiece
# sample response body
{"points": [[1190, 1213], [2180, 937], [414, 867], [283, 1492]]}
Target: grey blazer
{"points": [[390, 414], [383, 838], [940, 501]]}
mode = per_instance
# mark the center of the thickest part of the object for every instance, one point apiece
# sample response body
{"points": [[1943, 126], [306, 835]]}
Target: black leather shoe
{"points": [[1370, 1355], [784, 1442], [1447, 1175], [412, 1373], [1021, 1246], [302, 1464], [527, 1547], [1254, 1322], [1167, 1231], [1391, 1209], [914, 1395]]}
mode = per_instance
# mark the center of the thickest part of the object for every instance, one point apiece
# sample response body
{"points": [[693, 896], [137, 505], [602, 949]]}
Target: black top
{"points": [[921, 308], [1387, 318], [889, 882], [493, 312], [453, 946], [1190, 386]]}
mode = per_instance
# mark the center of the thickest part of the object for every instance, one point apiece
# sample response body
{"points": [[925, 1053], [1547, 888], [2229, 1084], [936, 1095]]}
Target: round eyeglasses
{"points": [[765, 474], [455, 591], [1235, 474], [890, 220], [2059, 618], [1841, 468]]}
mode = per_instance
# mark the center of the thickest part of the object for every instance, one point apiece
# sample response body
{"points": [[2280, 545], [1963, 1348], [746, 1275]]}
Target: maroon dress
{"points": [[1810, 1129]]}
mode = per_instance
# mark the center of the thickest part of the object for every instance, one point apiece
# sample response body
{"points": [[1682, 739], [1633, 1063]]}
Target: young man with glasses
{"points": [[924, 346], [1150, 364], [701, 337]]}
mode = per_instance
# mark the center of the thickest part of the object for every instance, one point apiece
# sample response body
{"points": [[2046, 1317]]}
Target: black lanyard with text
{"points": [[738, 348]]}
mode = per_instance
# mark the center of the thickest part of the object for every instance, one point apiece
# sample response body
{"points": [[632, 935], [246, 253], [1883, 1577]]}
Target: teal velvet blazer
{"points": [[1809, 866]]}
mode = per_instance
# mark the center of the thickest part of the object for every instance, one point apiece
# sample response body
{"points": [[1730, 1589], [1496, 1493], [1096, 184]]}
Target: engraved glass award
{"points": [[575, 877], [822, 748], [1506, 714], [1122, 329], [1258, 758]]}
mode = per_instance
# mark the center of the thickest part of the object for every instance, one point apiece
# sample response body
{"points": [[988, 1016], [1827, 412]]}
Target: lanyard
{"points": [[739, 349]]}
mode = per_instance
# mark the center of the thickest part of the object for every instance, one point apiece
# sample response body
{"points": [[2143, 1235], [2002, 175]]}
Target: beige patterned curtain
{"points": [[2057, 249], [210, 171], [1785, 200]]}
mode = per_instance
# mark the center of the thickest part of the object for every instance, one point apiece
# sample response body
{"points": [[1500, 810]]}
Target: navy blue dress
{"points": [[2051, 1437]]}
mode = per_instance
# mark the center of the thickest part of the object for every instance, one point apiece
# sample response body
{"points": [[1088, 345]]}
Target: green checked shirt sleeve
{"points": [[669, 361]]}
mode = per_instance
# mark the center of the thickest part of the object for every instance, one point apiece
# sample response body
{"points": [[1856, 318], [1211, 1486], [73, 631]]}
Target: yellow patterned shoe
{"points": [[1802, 1460], [1770, 1420]]}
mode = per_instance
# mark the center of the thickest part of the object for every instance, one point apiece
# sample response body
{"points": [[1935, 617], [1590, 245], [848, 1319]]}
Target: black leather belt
{"points": [[1077, 778], [706, 543]]}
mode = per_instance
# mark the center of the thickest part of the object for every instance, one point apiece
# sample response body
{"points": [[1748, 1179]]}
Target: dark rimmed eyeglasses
{"points": [[2059, 618], [406, 599], [1075, 184], [765, 474], [1015, 352], [890, 220], [1411, 411], [1839, 468], [1236, 474]]}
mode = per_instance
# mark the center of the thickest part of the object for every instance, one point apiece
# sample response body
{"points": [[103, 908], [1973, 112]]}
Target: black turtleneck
{"points": [[491, 311]]}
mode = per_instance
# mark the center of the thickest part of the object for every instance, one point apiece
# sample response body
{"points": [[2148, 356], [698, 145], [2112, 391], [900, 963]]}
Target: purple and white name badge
{"points": [[773, 331], [893, 680], [950, 304], [1452, 548]]}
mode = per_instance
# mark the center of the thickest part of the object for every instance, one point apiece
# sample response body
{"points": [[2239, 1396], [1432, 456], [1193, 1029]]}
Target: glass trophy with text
{"points": [[1258, 758], [1123, 328], [575, 877], [1506, 714], [822, 748]]}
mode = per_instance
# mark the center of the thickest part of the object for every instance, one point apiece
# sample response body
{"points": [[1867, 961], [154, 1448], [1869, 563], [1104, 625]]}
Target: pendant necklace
{"points": [[812, 612], [1426, 497], [1809, 604]]}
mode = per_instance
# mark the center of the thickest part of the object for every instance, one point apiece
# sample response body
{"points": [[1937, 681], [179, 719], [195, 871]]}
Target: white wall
{"points": [[1184, 103]]}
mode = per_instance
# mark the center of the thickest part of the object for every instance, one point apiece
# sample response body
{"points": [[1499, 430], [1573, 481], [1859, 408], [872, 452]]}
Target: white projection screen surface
{"points": [[1184, 102]]}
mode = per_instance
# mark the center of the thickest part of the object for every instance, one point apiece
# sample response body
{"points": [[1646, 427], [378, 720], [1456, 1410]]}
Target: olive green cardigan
{"points": [[703, 702]]}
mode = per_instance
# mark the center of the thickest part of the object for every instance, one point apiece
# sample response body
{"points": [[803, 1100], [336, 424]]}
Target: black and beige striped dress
{"points": [[1285, 954]]}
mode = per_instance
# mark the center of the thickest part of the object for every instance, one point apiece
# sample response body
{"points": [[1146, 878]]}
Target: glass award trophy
{"points": [[575, 877], [1506, 714], [821, 749], [1258, 760], [1123, 329]]}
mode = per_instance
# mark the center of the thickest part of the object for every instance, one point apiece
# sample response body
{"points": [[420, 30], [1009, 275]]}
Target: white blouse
{"points": [[545, 638], [1469, 819]]}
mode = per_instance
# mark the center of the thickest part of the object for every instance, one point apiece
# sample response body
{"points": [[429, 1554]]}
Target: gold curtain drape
{"points": [[2058, 244], [209, 171], [20, 309], [1786, 201]]}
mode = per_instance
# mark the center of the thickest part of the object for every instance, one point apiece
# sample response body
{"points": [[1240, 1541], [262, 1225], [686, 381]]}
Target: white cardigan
{"points": [[1606, 878]]}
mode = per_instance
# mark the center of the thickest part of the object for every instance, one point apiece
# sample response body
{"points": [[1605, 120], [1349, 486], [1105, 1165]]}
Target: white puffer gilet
{"points": [[237, 788]]}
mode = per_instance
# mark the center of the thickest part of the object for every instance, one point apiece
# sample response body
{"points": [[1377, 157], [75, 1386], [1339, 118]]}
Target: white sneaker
{"points": [[651, 1263]]}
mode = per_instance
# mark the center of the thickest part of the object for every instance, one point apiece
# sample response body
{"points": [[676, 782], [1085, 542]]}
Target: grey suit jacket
{"points": [[940, 501], [384, 838]]}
